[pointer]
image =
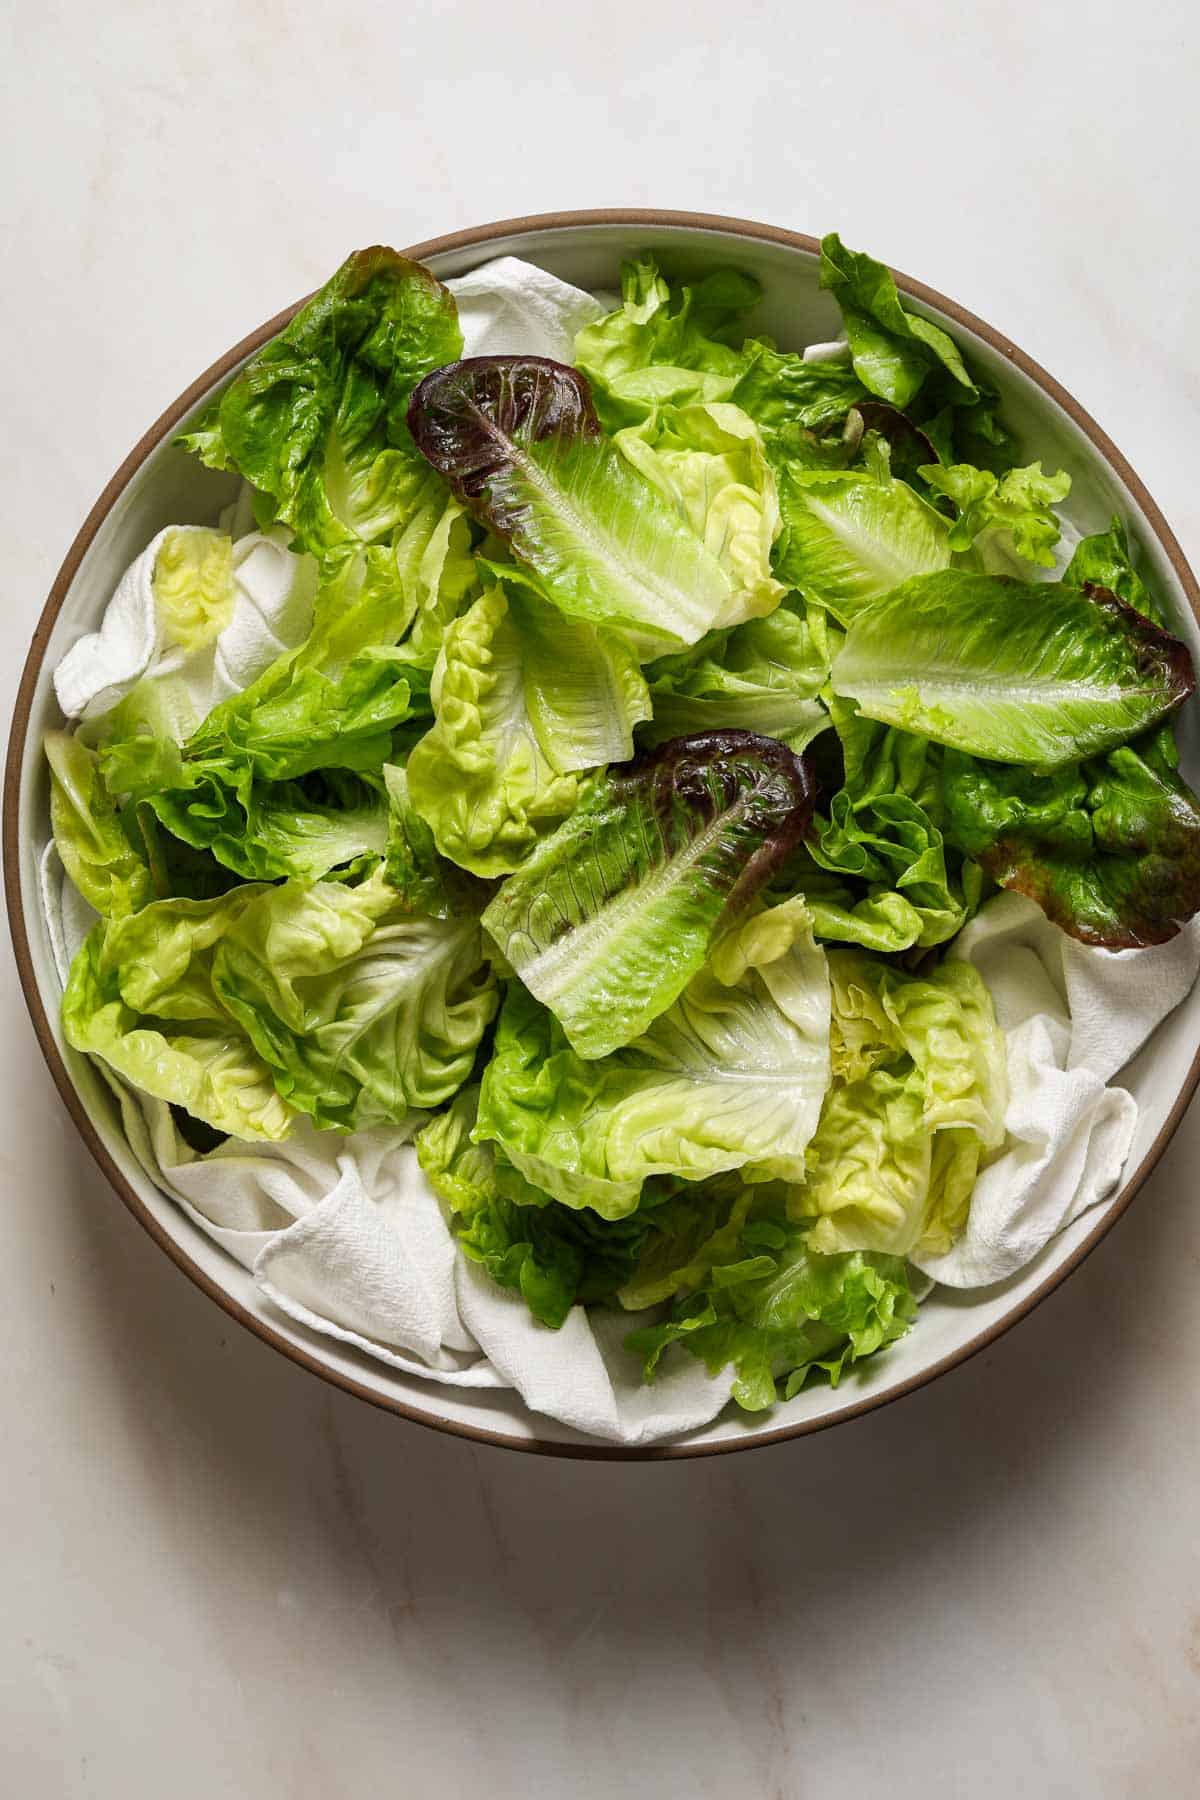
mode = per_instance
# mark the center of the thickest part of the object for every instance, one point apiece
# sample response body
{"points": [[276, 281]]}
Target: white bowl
{"points": [[159, 485]]}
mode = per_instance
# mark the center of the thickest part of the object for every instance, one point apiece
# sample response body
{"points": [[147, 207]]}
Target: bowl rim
{"points": [[480, 236]]}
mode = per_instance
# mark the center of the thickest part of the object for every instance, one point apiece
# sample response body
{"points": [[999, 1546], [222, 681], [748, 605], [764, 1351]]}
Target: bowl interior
{"points": [[169, 487]]}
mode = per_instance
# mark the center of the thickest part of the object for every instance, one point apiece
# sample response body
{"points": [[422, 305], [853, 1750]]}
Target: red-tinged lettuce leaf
{"points": [[1109, 850], [1105, 559], [612, 915], [518, 440]]}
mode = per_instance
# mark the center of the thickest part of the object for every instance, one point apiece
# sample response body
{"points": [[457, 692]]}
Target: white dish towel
{"points": [[344, 1235]]}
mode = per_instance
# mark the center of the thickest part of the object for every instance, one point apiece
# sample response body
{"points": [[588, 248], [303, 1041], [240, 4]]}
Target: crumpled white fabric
{"points": [[345, 1236], [1072, 1017]]}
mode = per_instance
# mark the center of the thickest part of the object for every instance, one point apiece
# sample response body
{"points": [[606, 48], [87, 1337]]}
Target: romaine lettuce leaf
{"points": [[789, 398], [853, 535], [95, 849], [1110, 850], [423, 879], [555, 1256], [733, 1073], [265, 831], [892, 349], [525, 698], [1013, 671], [518, 440], [363, 1010], [610, 918], [660, 348]]}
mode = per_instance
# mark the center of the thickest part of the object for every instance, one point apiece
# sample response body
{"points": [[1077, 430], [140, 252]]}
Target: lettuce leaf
{"points": [[519, 442], [316, 420], [1012, 671], [95, 849], [892, 350], [884, 833], [774, 1309], [732, 1073], [193, 587], [709, 461], [1110, 850], [555, 1256], [363, 1010], [765, 676], [1014, 509], [525, 699], [915, 1058], [1105, 560], [853, 535], [661, 348], [423, 879], [611, 917], [140, 997]]}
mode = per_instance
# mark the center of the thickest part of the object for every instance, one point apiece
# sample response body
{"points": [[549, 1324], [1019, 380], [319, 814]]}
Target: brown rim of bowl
{"points": [[480, 236]]}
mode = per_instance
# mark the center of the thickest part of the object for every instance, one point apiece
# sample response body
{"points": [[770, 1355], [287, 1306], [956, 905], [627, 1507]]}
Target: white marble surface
{"points": [[218, 1576]]}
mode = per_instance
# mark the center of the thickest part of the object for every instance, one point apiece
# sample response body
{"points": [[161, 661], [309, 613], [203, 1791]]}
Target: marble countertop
{"points": [[221, 1577]]}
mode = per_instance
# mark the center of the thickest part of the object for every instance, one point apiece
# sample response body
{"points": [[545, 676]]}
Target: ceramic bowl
{"points": [[158, 485]]}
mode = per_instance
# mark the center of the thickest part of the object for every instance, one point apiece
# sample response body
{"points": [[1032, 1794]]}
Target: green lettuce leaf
{"points": [[1016, 672], [1012, 510], [525, 699], [363, 1010], [555, 1256], [884, 833], [765, 676], [915, 1059], [1110, 850], [193, 587], [791, 400], [423, 879], [892, 350], [518, 440], [709, 461], [140, 997], [610, 918], [732, 1073], [1105, 560], [96, 851], [775, 1310], [316, 420], [853, 535], [663, 348]]}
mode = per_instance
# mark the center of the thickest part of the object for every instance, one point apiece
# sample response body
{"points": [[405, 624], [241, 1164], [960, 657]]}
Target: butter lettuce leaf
{"points": [[363, 1010], [1016, 672], [766, 676], [709, 461], [96, 851], [611, 917], [525, 699], [665, 347], [775, 1310], [140, 997], [555, 1256], [732, 1073]]}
